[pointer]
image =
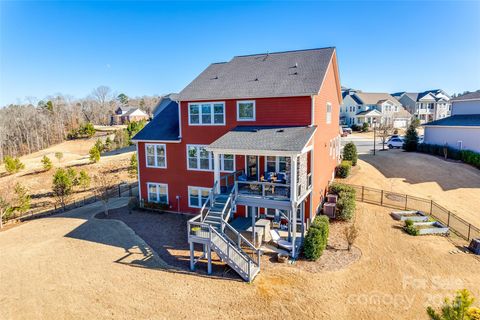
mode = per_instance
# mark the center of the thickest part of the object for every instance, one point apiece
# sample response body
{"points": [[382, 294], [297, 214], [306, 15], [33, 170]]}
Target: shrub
{"points": [[13, 165], [470, 157], [83, 180], [46, 163], [86, 130], [457, 309], [316, 238], [365, 127], [108, 144], [134, 127], [467, 156], [355, 127], [346, 200], [22, 204], [343, 169], [351, 234], [156, 206], [411, 139], [350, 153], [133, 204], [94, 154], [62, 186], [59, 156], [410, 228]]}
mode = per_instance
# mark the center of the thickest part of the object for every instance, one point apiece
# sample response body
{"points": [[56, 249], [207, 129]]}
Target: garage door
{"points": [[400, 123]]}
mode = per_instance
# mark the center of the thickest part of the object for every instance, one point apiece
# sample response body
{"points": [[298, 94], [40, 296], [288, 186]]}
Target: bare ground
{"points": [[454, 185], [75, 155], [79, 267]]}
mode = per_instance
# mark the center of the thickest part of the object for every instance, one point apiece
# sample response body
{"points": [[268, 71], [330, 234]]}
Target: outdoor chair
{"points": [[279, 241]]}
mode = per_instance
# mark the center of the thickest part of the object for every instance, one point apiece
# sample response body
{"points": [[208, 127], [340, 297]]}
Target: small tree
{"points": [[350, 153], [415, 122], [46, 163], [351, 234], [13, 165], [100, 146], [62, 186], [59, 156], [108, 144], [83, 180], [123, 98], [72, 175], [411, 139], [133, 168], [384, 131], [103, 182], [456, 309], [6, 204], [22, 201], [365, 127], [94, 154]]}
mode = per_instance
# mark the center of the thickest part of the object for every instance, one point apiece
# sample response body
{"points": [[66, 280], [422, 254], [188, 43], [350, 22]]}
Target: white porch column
{"points": [[216, 171], [293, 178], [294, 228]]}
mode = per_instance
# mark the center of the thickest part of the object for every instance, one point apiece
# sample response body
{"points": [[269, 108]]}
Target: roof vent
{"points": [[215, 78], [256, 79], [280, 130]]}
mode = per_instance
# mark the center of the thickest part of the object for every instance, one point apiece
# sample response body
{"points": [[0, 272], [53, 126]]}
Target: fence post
{"points": [[448, 221], [130, 190], [431, 207], [469, 228], [363, 193], [119, 192], [406, 202], [381, 199]]}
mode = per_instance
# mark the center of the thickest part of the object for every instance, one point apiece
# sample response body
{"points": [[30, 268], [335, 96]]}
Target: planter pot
{"points": [[409, 215], [434, 227]]}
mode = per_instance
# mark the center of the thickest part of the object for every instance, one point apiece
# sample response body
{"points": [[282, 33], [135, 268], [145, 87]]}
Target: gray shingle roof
{"points": [[376, 97], [292, 73], [246, 138], [460, 120], [468, 96], [163, 127]]}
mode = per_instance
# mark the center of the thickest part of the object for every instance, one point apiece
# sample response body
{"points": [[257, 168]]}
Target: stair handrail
{"points": [[241, 239]]}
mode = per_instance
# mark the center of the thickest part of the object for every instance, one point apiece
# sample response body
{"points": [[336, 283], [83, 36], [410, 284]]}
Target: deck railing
{"points": [[271, 190]]}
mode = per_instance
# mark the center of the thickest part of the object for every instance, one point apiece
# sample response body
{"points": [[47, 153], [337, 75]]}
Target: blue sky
{"points": [[146, 48]]}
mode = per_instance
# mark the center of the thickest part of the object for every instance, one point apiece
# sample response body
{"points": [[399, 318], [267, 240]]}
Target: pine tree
{"points": [[23, 199], [62, 186], [83, 180], [411, 139], [94, 154], [46, 163], [457, 309], [133, 168]]}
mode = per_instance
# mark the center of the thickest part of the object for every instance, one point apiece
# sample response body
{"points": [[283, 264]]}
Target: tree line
{"points": [[38, 124]]}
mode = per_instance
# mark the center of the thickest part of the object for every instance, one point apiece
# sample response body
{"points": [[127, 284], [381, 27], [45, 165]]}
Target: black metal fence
{"points": [[459, 226], [122, 189]]}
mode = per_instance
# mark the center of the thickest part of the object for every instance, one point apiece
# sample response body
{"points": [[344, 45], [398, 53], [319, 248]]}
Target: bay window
{"points": [[206, 113]]}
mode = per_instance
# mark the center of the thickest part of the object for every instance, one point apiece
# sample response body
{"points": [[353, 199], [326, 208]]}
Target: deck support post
{"points": [[209, 253], [254, 210], [216, 171], [192, 257], [294, 228]]}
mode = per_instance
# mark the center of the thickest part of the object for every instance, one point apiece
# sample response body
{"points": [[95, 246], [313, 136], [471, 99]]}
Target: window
{"points": [[207, 113], [329, 112], [156, 155], [245, 110], [276, 164], [198, 158], [157, 192], [197, 196]]}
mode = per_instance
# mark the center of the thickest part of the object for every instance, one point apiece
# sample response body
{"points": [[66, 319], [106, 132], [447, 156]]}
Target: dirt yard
{"points": [[456, 186], [75, 155], [80, 267]]}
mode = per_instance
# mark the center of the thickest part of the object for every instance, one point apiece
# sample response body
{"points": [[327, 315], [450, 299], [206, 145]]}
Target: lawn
{"points": [[454, 185], [76, 266]]}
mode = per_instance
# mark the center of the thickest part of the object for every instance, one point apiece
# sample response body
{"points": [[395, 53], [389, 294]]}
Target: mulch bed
{"points": [[336, 256]]}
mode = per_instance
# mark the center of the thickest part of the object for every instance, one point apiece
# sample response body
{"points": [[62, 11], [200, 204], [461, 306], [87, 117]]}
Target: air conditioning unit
{"points": [[332, 198], [475, 246], [329, 209]]}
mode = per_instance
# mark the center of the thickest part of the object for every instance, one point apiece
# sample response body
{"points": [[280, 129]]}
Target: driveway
{"points": [[363, 142]]}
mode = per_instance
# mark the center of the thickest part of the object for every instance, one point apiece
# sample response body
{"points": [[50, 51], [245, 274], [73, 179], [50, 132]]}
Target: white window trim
{"points": [[212, 113], [199, 189], [254, 110], [155, 155], [157, 186], [277, 163], [210, 160], [328, 117]]}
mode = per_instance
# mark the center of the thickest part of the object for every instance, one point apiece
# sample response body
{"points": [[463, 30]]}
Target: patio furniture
{"points": [[265, 225], [279, 241], [281, 177]]}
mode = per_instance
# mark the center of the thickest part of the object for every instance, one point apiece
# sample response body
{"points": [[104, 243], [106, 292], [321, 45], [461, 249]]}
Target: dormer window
{"points": [[246, 110]]}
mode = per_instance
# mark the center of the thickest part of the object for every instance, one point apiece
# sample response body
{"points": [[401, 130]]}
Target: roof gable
{"points": [[292, 73]]}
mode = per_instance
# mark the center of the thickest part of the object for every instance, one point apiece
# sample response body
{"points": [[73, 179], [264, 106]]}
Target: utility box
{"points": [[329, 209], [332, 198], [475, 246]]}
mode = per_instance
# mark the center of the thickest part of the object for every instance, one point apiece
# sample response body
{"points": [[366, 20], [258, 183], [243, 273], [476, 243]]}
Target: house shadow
{"points": [[415, 168], [119, 151]]}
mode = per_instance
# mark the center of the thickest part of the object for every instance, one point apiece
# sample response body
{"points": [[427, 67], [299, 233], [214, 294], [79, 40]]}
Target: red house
{"points": [[255, 139]]}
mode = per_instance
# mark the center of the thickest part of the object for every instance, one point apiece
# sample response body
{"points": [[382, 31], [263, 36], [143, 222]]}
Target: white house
{"points": [[426, 106], [360, 107], [462, 129]]}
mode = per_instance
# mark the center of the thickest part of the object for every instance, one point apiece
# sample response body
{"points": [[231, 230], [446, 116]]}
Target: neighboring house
{"points": [[164, 102], [426, 106], [365, 107], [252, 138], [462, 129], [126, 114]]}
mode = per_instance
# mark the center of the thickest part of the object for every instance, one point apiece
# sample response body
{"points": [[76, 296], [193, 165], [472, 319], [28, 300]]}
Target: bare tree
{"points": [[102, 95], [103, 184], [384, 131]]}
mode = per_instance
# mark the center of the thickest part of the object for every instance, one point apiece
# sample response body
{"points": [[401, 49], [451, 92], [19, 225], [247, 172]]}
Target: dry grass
{"points": [[78, 267], [75, 155], [456, 186]]}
